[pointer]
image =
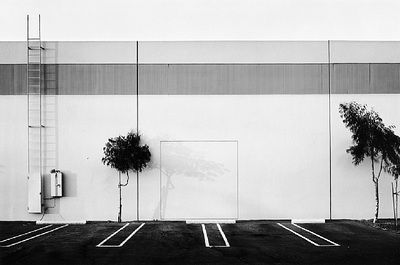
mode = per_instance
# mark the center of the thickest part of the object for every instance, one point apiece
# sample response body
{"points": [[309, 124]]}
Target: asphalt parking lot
{"points": [[245, 242]]}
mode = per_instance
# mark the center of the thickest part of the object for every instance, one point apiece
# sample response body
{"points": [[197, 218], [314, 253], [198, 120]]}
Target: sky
{"points": [[203, 19]]}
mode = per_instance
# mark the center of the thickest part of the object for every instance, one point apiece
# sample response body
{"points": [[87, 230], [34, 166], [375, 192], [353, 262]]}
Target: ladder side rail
{"points": [[27, 86], [40, 102]]}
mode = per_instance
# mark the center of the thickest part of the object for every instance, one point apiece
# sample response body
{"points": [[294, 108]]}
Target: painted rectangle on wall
{"points": [[196, 175], [34, 192]]}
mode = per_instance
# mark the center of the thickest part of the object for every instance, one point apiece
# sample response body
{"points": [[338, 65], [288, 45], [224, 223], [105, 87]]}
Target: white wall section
{"points": [[282, 140]]}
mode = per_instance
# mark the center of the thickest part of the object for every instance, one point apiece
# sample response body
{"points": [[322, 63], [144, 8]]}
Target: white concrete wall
{"points": [[84, 124], [272, 164], [283, 155], [13, 158]]}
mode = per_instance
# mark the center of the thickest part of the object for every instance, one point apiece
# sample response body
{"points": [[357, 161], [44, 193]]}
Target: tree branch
{"points": [[380, 169], [127, 180]]}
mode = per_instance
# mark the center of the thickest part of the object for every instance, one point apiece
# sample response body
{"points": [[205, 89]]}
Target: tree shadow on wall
{"points": [[181, 160]]}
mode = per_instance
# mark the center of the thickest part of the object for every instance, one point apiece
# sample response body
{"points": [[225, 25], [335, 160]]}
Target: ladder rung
{"points": [[35, 48], [41, 126]]}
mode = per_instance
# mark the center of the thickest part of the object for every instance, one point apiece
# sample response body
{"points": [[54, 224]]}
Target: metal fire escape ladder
{"points": [[34, 111]]}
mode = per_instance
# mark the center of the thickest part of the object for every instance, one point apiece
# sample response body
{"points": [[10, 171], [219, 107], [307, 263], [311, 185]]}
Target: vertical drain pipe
{"points": [[330, 131], [137, 125]]}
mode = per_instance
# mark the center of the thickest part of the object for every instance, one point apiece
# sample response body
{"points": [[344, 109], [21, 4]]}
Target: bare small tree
{"points": [[371, 138], [125, 153]]}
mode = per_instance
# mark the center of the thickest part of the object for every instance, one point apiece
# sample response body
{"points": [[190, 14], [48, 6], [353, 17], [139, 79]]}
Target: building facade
{"points": [[237, 130]]}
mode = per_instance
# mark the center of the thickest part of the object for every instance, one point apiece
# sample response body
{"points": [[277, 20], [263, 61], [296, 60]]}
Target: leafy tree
{"points": [[125, 153], [372, 139]]}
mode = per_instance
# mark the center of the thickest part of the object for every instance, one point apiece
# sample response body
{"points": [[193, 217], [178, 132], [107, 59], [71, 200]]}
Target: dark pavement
{"points": [[251, 242]]}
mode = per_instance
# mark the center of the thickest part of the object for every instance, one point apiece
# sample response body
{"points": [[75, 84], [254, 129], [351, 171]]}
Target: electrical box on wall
{"points": [[56, 183]]}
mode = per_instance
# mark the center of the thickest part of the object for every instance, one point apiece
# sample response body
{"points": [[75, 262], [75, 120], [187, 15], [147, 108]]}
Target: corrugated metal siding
{"points": [[96, 79], [366, 78], [385, 78], [229, 79], [350, 79], [73, 79], [206, 79], [12, 79]]}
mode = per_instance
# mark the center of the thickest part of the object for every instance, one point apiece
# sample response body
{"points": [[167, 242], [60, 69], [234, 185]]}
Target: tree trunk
{"points": [[377, 200], [137, 195], [120, 199]]}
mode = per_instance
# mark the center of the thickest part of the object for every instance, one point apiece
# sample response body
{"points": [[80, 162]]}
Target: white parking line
{"points": [[131, 235], [207, 243], [309, 240], [315, 234], [30, 238], [27, 233], [205, 236], [110, 236], [100, 245], [223, 236]]}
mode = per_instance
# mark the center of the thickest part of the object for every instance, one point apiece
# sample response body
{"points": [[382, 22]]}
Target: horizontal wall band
{"points": [[200, 52], [254, 52], [74, 52], [72, 79], [205, 79], [233, 79], [232, 52], [365, 51]]}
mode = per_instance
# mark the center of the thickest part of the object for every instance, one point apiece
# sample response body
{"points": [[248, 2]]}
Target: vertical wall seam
{"points": [[160, 184], [330, 130], [137, 124], [237, 179]]}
